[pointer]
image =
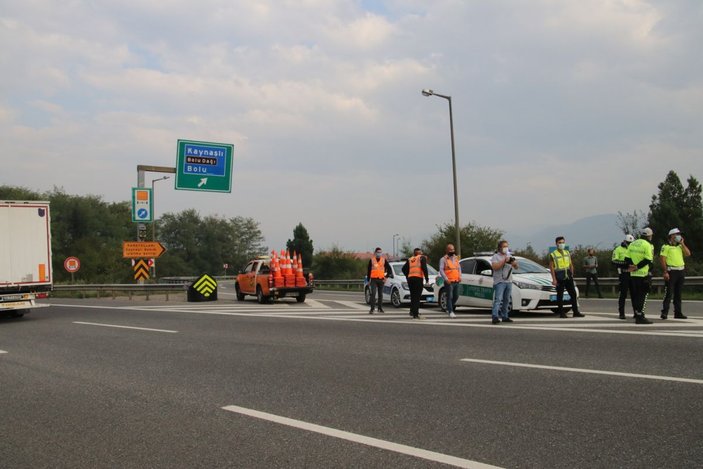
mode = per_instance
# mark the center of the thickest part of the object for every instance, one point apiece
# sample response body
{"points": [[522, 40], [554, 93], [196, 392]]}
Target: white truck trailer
{"points": [[25, 255]]}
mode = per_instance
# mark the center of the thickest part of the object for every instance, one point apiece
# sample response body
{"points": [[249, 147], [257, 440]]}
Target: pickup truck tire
{"points": [[261, 298], [16, 314], [300, 298], [240, 295]]}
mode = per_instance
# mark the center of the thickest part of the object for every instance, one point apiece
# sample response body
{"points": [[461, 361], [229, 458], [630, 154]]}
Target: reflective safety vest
{"points": [[561, 260], [673, 254], [619, 254], [451, 269], [415, 267], [637, 251], [618, 258], [378, 269]]}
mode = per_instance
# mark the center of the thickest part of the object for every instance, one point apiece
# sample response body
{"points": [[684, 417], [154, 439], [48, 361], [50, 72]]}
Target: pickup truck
{"points": [[257, 279]]}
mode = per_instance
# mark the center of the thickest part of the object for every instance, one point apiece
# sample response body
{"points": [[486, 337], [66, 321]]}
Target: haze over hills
{"points": [[598, 231]]}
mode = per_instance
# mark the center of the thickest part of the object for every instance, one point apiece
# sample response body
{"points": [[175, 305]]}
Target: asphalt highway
{"points": [[117, 383]]}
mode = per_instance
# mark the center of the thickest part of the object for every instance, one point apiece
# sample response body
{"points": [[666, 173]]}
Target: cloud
{"points": [[321, 99]]}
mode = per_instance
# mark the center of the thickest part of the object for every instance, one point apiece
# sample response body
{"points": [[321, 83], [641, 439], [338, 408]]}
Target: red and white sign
{"points": [[72, 264]]}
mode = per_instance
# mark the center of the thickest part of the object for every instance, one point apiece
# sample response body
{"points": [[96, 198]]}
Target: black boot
{"points": [[640, 319]]}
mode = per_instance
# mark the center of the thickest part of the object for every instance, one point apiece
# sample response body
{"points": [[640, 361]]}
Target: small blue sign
{"points": [[142, 213], [204, 160]]}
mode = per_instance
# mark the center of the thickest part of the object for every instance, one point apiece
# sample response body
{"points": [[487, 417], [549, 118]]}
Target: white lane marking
{"points": [[352, 304], [316, 304], [124, 327], [364, 440], [585, 370], [2, 351], [430, 320]]}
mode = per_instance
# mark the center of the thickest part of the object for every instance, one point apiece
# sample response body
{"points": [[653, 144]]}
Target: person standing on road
{"points": [[671, 258], [415, 270], [503, 264], [639, 257], [450, 271], [562, 270], [377, 271], [590, 266], [618, 260]]}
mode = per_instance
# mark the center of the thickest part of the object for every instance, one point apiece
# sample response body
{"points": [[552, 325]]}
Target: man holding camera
{"points": [[671, 258], [503, 264], [562, 270]]}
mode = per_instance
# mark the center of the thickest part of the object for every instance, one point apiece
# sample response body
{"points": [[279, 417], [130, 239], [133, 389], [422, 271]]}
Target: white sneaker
{"points": [[452, 315]]}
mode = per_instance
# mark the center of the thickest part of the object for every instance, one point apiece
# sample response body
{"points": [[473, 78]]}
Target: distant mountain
{"points": [[598, 231]]}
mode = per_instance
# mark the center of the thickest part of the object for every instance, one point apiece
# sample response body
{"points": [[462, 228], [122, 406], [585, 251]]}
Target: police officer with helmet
{"points": [[618, 259], [671, 258], [639, 257]]}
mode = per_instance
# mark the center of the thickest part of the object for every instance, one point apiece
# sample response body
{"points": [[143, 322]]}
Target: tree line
{"points": [[93, 230]]}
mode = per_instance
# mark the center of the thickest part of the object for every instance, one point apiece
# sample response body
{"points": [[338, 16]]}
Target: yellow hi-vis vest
{"points": [[378, 268], [561, 261], [415, 267], [638, 250]]}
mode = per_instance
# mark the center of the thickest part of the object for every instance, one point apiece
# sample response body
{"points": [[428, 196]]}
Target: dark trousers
{"points": [[415, 284], [593, 277], [624, 286], [673, 286], [377, 285], [639, 289], [568, 284]]}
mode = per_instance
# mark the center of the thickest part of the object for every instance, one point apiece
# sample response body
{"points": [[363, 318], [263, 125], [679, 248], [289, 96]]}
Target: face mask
{"points": [[561, 246], [677, 238], [504, 250], [378, 255], [451, 253]]}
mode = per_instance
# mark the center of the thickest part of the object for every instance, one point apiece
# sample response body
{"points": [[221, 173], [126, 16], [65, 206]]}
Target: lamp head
{"points": [[427, 92]]}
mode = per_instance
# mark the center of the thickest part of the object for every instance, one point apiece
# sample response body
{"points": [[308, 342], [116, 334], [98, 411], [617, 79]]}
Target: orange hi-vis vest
{"points": [[378, 269], [415, 267], [451, 269]]}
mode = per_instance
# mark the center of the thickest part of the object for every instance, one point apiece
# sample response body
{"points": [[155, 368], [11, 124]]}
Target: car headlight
{"points": [[526, 286], [405, 286]]}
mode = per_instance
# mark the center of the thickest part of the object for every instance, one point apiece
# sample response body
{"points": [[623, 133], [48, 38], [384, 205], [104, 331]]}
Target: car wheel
{"points": [[300, 298], [395, 298], [367, 295], [442, 300], [240, 295]]}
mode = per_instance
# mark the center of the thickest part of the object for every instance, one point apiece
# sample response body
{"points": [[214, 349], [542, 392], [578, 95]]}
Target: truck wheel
{"points": [[16, 314], [395, 298], [442, 300], [367, 295], [260, 297], [240, 295], [300, 298]]}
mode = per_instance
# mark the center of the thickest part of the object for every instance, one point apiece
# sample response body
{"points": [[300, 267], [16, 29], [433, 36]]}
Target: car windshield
{"points": [[398, 269], [526, 266]]}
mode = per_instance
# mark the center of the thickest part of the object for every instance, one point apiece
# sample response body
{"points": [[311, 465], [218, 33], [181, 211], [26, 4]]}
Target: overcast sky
{"points": [[562, 109]]}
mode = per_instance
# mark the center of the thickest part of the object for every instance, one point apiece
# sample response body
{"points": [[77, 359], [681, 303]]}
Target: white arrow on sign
{"points": [[203, 181]]}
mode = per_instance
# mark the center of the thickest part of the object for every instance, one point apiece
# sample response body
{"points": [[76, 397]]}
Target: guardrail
{"points": [[146, 289]]}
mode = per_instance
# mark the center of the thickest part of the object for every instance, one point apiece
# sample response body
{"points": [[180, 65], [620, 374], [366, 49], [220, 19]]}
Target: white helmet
{"points": [[629, 238]]}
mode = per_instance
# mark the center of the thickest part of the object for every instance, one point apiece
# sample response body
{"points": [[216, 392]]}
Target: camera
{"points": [[510, 260]]}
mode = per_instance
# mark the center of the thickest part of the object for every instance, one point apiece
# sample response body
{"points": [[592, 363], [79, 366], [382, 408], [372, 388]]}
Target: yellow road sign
{"points": [[141, 270]]}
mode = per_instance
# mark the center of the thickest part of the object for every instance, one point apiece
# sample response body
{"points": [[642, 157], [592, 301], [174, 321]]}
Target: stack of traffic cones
{"points": [[289, 275], [276, 268], [299, 276]]}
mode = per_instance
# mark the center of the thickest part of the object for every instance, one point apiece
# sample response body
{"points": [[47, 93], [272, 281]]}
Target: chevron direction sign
{"points": [[141, 269], [203, 289]]}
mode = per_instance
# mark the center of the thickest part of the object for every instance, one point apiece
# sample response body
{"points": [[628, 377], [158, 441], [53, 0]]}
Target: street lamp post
{"points": [[394, 237], [428, 92]]}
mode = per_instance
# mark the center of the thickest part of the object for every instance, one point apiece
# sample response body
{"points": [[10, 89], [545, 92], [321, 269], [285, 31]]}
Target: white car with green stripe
{"points": [[532, 286]]}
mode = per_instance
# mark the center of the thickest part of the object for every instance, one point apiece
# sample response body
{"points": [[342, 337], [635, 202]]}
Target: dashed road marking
{"points": [[585, 370], [124, 327], [361, 439], [2, 351]]}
